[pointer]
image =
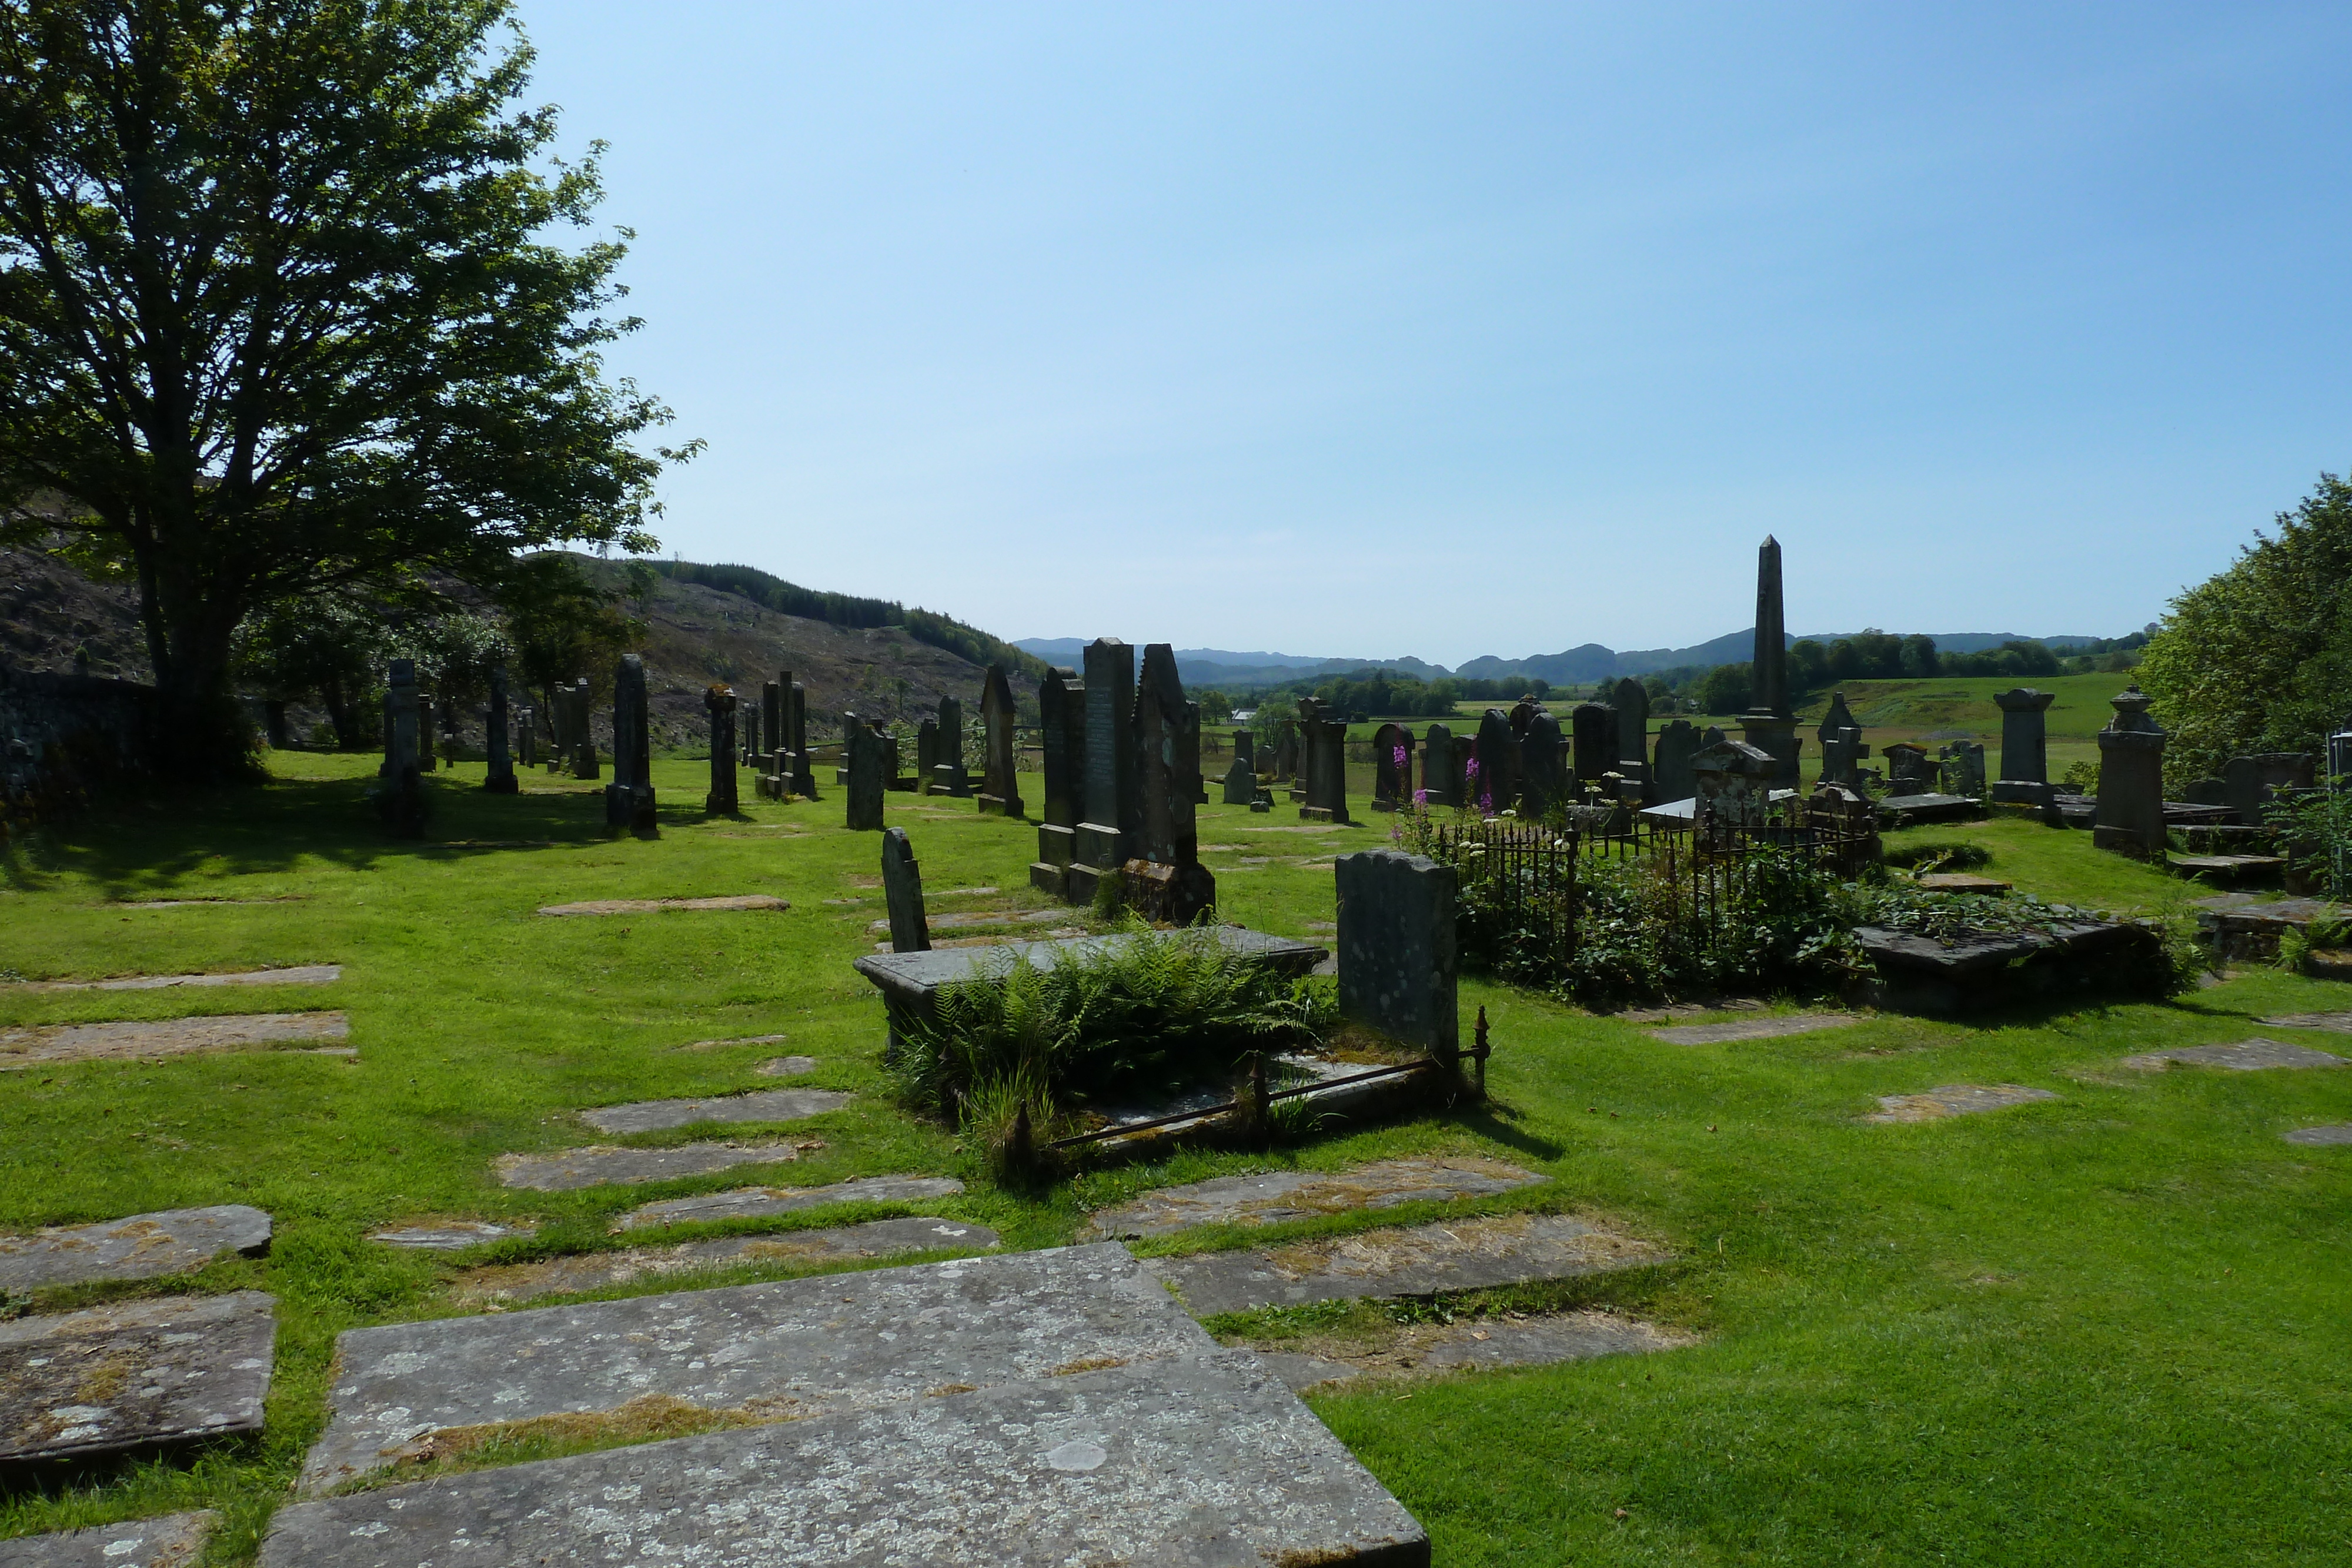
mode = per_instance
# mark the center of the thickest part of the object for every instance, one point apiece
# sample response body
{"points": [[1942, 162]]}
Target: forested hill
{"points": [[853, 612]]}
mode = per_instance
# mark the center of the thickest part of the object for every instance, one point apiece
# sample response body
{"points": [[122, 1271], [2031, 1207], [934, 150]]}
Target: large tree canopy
{"points": [[278, 316], [2259, 657]]}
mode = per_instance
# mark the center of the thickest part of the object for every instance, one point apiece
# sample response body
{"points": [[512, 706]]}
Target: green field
{"points": [[2108, 1328]]}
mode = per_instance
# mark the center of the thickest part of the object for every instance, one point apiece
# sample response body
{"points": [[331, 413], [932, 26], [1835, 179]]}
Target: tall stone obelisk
{"points": [[1771, 723]]}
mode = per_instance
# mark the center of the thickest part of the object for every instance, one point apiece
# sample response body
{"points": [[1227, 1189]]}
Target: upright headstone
{"points": [[1631, 698], [865, 758], [1543, 768], [1909, 770], [2130, 816], [629, 799], [902, 889], [1062, 712], [775, 781], [1398, 958], [1771, 723], [1391, 766], [797, 740], [927, 755], [719, 701], [526, 737], [1492, 773], [1964, 769], [1593, 729], [1837, 719], [1441, 767], [426, 761], [2249, 784], [1000, 784], [1671, 773], [1170, 884], [1285, 752], [947, 774], [1109, 810], [1523, 714], [1734, 789], [1323, 742], [558, 728], [1240, 779], [402, 797], [583, 737], [501, 777], [750, 724], [2024, 746]]}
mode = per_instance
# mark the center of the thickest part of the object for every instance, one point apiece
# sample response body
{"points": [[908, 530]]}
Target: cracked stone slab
{"points": [[1418, 1260], [979, 919], [1200, 1462], [2340, 1022], [143, 1247], [449, 1235], [1483, 1345], [148, 1039], [1954, 1100], [762, 1105], [567, 1170], [658, 905], [300, 975], [172, 1540], [2245, 1056], [785, 1349], [2329, 1136], [598, 1271], [760, 1202], [1751, 1029], [786, 1066], [1270, 1197], [134, 1374]]}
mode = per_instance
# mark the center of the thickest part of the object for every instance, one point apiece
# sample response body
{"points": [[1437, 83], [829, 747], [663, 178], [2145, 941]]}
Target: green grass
{"points": [[2104, 1329]]}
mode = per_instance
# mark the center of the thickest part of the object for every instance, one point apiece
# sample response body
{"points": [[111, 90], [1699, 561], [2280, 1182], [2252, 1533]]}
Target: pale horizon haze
{"points": [[1380, 331]]}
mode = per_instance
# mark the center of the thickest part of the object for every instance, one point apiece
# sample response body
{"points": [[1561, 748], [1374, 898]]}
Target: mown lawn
{"points": [[2108, 1328]]}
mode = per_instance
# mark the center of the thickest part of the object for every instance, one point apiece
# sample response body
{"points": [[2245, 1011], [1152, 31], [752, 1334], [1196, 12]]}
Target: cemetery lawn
{"points": [[2106, 1328]]}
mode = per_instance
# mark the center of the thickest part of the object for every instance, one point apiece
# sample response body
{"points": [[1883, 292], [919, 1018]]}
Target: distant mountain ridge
{"points": [[1576, 666]]}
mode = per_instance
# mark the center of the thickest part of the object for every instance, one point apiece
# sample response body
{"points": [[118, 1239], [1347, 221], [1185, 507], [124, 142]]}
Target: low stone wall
{"points": [[63, 735]]}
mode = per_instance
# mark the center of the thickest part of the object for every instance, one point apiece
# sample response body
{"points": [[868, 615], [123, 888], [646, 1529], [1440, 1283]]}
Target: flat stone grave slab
{"points": [[1484, 1345], [764, 1105], [2339, 1022], [2245, 1056], [975, 919], [148, 1039], [1421, 1260], [1751, 1029], [913, 978], [449, 1235], [1954, 1100], [786, 1066], [742, 901], [303, 975], [172, 1540], [1202, 1462], [2226, 865], [1961, 882], [566, 1170], [777, 1350], [600, 1270], [143, 1247], [1688, 1010], [202, 902], [134, 1374], [739, 1039], [2330, 1136], [1270, 1197], [760, 1202]]}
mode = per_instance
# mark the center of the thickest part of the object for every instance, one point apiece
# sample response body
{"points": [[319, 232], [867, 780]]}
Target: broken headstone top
{"points": [[1270, 1197], [143, 1247]]}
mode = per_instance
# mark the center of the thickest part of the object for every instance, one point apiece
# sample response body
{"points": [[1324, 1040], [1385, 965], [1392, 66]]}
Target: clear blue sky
{"points": [[1372, 330]]}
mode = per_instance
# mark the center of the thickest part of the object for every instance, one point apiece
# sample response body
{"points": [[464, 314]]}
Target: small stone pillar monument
{"points": [[2024, 746], [719, 701], [501, 777], [2130, 818]]}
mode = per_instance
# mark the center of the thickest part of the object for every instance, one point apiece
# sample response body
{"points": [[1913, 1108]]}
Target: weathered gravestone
{"points": [[1391, 766], [927, 754], [527, 737], [1543, 770], [400, 800], [134, 1374], [1492, 770], [775, 780], [796, 742], [947, 776], [143, 1246], [1964, 769], [1441, 757], [1164, 877], [583, 738], [166, 1540], [720, 701], [902, 887], [1841, 755], [2250, 783], [863, 749], [1734, 785], [751, 724], [1324, 744], [1769, 725], [1671, 773], [1909, 770], [1592, 727], [1838, 719], [1109, 810], [1240, 779], [2024, 746], [1397, 952], [1285, 752], [1631, 701], [629, 797], [2130, 818], [999, 786], [1061, 709], [500, 778]]}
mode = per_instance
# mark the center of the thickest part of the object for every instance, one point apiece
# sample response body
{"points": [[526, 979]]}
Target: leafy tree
{"points": [[559, 626], [1724, 689], [333, 647], [277, 320], [2259, 657]]}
